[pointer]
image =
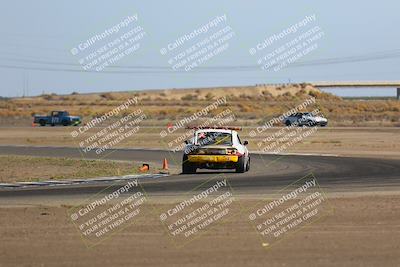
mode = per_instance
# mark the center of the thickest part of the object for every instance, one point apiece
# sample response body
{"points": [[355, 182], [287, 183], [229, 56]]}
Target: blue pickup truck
{"points": [[57, 118]]}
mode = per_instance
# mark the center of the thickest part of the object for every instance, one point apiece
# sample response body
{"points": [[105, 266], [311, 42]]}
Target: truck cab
{"points": [[57, 118]]}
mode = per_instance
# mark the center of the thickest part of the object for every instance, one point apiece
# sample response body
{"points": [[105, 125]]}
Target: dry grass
{"points": [[251, 105], [41, 169]]}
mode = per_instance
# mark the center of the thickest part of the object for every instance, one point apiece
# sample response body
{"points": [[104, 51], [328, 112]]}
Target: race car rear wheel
{"points": [[241, 165], [42, 123], [248, 165], [187, 167]]}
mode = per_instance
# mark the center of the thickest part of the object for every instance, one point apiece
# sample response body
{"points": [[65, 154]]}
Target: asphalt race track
{"points": [[268, 172]]}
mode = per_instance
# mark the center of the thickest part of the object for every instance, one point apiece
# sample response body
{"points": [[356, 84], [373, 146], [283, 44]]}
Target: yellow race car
{"points": [[215, 148]]}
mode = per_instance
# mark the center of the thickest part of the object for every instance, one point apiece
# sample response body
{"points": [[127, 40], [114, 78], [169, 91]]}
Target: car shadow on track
{"points": [[210, 172]]}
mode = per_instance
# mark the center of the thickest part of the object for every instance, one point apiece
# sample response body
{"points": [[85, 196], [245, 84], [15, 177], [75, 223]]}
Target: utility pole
{"points": [[25, 84]]}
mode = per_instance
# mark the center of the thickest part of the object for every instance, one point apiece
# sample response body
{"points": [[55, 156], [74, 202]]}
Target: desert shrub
{"points": [[288, 94], [209, 96], [245, 108], [110, 96], [49, 97], [303, 85], [189, 97], [301, 92], [314, 93]]}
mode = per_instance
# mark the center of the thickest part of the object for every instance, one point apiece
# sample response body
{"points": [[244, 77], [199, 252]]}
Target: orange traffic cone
{"points": [[144, 168], [165, 165]]}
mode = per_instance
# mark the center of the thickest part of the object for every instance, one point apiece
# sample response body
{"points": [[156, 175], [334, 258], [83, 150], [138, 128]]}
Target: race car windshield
{"points": [[214, 138]]}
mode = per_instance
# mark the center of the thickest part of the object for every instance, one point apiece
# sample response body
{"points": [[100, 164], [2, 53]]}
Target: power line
{"points": [[147, 69]]}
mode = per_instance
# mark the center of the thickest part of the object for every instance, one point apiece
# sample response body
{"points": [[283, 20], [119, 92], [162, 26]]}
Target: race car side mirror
{"points": [[246, 143]]}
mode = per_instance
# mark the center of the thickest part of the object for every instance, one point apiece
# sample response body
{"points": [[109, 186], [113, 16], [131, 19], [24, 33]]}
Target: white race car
{"points": [[215, 148], [305, 119]]}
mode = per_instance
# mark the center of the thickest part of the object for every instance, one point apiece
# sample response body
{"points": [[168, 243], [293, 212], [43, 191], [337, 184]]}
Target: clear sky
{"points": [[361, 42]]}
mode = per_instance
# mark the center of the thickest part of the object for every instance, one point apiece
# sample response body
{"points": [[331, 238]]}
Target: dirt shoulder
{"points": [[361, 142], [27, 169], [362, 231]]}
